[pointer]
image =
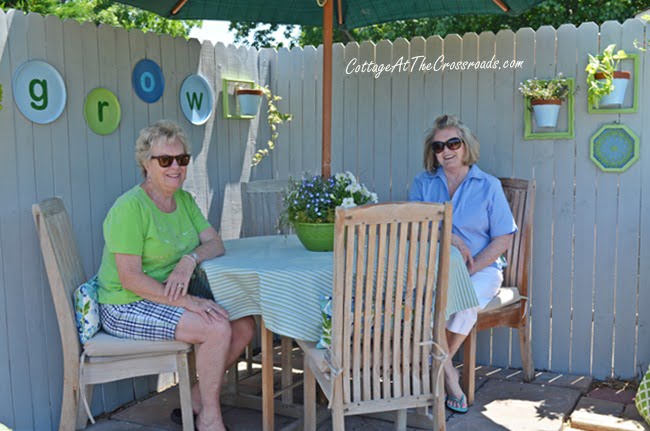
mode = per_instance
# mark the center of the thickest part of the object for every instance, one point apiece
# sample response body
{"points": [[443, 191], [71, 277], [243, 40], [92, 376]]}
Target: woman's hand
{"points": [[457, 242], [179, 280], [206, 308]]}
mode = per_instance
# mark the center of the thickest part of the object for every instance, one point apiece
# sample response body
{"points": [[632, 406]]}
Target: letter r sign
{"points": [[102, 111]]}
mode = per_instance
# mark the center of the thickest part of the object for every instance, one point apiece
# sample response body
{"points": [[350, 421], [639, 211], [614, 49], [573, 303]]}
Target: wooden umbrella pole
{"points": [[328, 29]]}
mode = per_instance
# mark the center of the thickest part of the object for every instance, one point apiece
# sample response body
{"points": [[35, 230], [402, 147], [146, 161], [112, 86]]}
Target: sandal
{"points": [[458, 405], [177, 417]]}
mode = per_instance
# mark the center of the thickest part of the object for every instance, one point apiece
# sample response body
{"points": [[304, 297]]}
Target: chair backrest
{"points": [[63, 265], [385, 259], [521, 197], [261, 207]]}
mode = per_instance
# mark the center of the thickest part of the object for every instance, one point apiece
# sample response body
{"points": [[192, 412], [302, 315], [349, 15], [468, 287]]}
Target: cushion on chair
{"points": [[104, 344], [87, 309], [505, 296]]}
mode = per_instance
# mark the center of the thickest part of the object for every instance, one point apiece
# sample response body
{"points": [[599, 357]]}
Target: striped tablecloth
{"points": [[277, 278]]}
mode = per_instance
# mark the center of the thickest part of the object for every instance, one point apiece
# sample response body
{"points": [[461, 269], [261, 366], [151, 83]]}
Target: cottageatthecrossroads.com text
{"points": [[418, 64]]}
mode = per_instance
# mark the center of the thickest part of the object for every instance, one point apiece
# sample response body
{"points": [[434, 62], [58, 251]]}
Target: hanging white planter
{"points": [[248, 100], [546, 112], [617, 96]]}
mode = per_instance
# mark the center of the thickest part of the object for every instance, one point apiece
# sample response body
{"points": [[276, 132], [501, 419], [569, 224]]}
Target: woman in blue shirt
{"points": [[482, 224]]}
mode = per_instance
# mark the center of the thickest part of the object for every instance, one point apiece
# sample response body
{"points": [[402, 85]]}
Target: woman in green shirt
{"points": [[155, 235]]}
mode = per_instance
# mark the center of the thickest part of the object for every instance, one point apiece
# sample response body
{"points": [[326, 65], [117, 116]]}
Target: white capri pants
{"points": [[486, 284]]}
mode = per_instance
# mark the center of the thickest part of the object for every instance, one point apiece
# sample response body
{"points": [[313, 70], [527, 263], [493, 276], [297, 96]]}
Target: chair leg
{"points": [[469, 366], [526, 353], [69, 409], [400, 420], [185, 391], [309, 399], [338, 420], [287, 369]]}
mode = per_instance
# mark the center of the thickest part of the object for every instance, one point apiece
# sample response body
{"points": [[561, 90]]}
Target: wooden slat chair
{"points": [[382, 356], [103, 358], [510, 307]]}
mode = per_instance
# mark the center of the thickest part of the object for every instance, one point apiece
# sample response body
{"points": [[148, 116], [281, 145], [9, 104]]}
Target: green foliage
{"points": [[605, 63], [275, 118], [105, 12], [545, 89], [551, 12]]}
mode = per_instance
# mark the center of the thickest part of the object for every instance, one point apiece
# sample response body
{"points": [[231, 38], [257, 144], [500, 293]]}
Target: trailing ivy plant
{"points": [[275, 118], [605, 63]]}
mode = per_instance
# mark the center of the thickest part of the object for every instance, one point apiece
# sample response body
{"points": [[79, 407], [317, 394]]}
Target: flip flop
{"points": [[458, 405]]}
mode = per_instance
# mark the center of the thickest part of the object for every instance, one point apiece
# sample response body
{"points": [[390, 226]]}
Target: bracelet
{"points": [[189, 256]]}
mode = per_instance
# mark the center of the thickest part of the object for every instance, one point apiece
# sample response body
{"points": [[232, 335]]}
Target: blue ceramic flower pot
{"points": [[546, 112]]}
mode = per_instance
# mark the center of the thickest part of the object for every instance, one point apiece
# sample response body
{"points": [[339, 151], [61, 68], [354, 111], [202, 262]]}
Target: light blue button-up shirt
{"points": [[480, 208]]}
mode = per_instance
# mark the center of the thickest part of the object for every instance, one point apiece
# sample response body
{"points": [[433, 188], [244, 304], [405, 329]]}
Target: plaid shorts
{"points": [[141, 320]]}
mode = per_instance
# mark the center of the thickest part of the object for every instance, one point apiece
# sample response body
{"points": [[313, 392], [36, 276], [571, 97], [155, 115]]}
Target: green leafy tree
{"points": [[105, 12], [551, 12]]}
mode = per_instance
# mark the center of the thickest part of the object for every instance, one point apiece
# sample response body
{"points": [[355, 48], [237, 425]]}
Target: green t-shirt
{"points": [[135, 225]]}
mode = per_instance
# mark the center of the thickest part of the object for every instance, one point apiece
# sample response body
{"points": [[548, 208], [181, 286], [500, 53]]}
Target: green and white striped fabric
{"points": [[642, 399], [277, 278]]}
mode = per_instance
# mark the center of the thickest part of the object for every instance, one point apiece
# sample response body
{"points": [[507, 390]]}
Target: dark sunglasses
{"points": [[453, 144], [166, 161]]}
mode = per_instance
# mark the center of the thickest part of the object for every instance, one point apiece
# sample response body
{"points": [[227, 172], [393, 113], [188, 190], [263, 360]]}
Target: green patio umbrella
{"points": [[349, 14]]}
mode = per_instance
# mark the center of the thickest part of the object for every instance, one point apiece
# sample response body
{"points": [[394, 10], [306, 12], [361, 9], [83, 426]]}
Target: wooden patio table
{"points": [[276, 278]]}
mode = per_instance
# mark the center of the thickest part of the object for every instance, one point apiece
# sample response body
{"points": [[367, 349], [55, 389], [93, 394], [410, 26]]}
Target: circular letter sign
{"points": [[102, 111], [196, 99], [39, 91], [148, 81]]}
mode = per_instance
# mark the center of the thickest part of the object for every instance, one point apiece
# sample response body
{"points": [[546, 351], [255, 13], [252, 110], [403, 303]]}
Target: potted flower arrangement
{"points": [[545, 96], [606, 85], [310, 204], [248, 100]]}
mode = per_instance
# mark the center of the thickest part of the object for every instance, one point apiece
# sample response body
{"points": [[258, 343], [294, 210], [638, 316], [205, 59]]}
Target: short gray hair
{"points": [[156, 134], [472, 145]]}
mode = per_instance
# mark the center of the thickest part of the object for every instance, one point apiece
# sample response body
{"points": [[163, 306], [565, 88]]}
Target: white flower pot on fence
{"points": [[248, 100], [617, 96], [546, 112]]}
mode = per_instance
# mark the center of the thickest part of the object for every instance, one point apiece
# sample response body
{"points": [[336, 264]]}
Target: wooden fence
{"points": [[590, 277]]}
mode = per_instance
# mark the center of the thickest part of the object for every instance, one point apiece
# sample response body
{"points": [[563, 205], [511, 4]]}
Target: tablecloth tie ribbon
{"points": [[442, 358], [82, 389]]}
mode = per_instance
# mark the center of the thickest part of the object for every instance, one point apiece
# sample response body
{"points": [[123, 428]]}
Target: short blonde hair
{"points": [[472, 145], [156, 134]]}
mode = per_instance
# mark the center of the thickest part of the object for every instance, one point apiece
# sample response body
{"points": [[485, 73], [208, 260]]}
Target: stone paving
{"points": [[553, 402]]}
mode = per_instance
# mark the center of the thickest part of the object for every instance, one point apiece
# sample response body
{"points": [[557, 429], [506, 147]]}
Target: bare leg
{"points": [[452, 384], [209, 338], [243, 331]]}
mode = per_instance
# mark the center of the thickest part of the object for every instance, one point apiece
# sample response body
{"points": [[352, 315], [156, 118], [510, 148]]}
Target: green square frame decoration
{"points": [[570, 133], [228, 93], [614, 148], [635, 92]]}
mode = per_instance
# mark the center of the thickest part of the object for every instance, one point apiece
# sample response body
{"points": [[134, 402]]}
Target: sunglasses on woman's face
{"points": [[453, 144], [166, 161]]}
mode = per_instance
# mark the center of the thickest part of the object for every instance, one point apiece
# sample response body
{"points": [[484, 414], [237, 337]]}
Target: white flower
{"points": [[350, 176], [374, 198], [353, 188], [348, 203], [340, 177]]}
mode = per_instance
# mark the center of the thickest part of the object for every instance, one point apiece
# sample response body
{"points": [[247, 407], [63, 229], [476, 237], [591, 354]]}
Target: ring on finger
{"points": [[181, 284], [208, 310]]}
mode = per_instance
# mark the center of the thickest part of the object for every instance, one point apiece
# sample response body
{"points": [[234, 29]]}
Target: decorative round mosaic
{"points": [[614, 148]]}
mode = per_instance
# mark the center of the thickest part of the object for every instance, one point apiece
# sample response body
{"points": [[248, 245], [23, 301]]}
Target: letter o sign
{"points": [[39, 91], [148, 81]]}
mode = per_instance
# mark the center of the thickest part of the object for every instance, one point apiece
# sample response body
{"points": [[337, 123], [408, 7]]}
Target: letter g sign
{"points": [[39, 91]]}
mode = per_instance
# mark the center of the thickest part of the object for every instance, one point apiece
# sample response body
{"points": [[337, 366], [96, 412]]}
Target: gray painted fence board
{"points": [[18, 321], [606, 217], [585, 201], [399, 104], [563, 216], [542, 245], [366, 130], [349, 107], [628, 238], [8, 217], [418, 122], [380, 147], [300, 106], [338, 71], [283, 88]]}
